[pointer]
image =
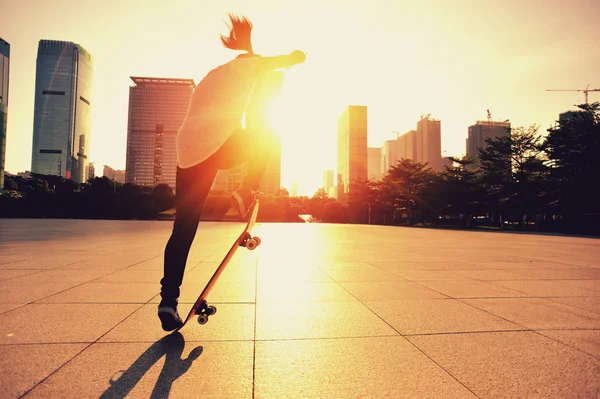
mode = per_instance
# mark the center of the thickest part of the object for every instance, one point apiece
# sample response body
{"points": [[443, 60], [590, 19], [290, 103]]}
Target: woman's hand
{"points": [[298, 56]]}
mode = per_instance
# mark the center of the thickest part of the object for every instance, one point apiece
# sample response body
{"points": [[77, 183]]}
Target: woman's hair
{"points": [[240, 32]]}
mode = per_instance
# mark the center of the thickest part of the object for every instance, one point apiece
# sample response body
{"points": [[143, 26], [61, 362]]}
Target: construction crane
{"points": [[585, 91]]}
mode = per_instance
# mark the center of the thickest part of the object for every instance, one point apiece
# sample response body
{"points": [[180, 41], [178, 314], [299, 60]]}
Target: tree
{"points": [[573, 147], [460, 190], [10, 183], [513, 172], [283, 192], [407, 183], [164, 197]]}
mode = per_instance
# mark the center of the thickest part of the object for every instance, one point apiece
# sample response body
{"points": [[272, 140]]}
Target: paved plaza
{"points": [[317, 311]]}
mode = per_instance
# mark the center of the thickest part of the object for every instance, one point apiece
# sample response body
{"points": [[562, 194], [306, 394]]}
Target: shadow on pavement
{"points": [[170, 346]]}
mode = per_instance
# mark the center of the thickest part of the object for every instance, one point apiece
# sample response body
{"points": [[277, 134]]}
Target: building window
{"points": [[50, 151], [55, 93]]}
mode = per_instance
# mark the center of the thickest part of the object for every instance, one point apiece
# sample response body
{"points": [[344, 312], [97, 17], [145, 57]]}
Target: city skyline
{"points": [[456, 68]]}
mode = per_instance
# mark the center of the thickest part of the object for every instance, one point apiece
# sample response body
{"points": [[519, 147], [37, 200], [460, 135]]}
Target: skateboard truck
{"points": [[250, 242], [205, 310]]}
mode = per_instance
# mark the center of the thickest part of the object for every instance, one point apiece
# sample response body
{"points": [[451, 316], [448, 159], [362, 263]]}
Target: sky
{"points": [[453, 59]]}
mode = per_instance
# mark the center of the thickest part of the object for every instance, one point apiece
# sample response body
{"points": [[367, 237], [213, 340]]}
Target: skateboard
{"points": [[201, 308]]}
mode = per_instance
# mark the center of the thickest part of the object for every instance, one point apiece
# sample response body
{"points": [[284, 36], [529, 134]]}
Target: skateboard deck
{"points": [[201, 308]]}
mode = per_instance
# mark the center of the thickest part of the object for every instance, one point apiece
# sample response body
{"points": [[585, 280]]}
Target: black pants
{"points": [[193, 187]]}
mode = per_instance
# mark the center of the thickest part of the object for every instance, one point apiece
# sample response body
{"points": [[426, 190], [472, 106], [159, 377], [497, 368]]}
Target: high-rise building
{"points": [[374, 163], [114, 174], [157, 107], [352, 148], [4, 77], [480, 132], [407, 145], [294, 189], [329, 183], [62, 111], [389, 155], [429, 143], [91, 171]]}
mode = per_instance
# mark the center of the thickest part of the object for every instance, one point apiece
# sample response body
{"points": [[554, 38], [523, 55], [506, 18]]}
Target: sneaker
{"points": [[169, 318], [244, 197]]}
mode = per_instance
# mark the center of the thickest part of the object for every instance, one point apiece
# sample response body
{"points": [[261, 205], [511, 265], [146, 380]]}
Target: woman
{"points": [[212, 137]]}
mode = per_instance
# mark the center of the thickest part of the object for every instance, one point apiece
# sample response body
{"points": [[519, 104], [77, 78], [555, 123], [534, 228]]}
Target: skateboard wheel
{"points": [[251, 244], [257, 239], [202, 319], [211, 310]]}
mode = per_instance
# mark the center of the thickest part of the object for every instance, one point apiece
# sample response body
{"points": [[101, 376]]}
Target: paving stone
{"points": [[386, 367], [587, 341], [373, 291], [168, 368], [25, 366], [546, 288], [231, 322], [361, 275], [470, 289], [429, 275], [302, 320], [588, 284], [299, 291], [26, 293], [513, 364], [106, 293], [55, 323], [7, 274], [436, 316], [538, 313], [319, 315], [591, 304], [574, 273], [490, 275], [5, 307], [131, 276]]}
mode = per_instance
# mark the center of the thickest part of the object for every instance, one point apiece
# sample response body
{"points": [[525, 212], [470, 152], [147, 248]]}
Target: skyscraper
{"points": [[429, 142], [4, 76], [389, 155], [329, 183], [62, 112], [407, 145], [352, 148], [480, 132], [374, 163], [157, 107]]}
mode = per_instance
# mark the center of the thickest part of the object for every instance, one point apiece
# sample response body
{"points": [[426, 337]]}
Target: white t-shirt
{"points": [[216, 110]]}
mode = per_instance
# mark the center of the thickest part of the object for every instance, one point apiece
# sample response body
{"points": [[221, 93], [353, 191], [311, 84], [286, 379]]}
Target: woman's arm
{"points": [[281, 61]]}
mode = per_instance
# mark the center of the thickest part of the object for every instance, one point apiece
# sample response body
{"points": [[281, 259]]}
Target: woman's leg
{"points": [[192, 188], [253, 146]]}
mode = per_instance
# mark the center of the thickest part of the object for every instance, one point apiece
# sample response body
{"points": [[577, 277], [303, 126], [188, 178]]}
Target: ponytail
{"points": [[240, 31]]}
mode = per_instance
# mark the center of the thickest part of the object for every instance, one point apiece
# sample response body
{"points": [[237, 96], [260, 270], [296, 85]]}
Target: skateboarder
{"points": [[211, 138]]}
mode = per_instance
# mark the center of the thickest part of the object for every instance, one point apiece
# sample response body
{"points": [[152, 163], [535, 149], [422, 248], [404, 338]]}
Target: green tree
{"points": [[10, 183], [514, 171], [460, 190], [283, 192], [408, 182], [573, 147]]}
